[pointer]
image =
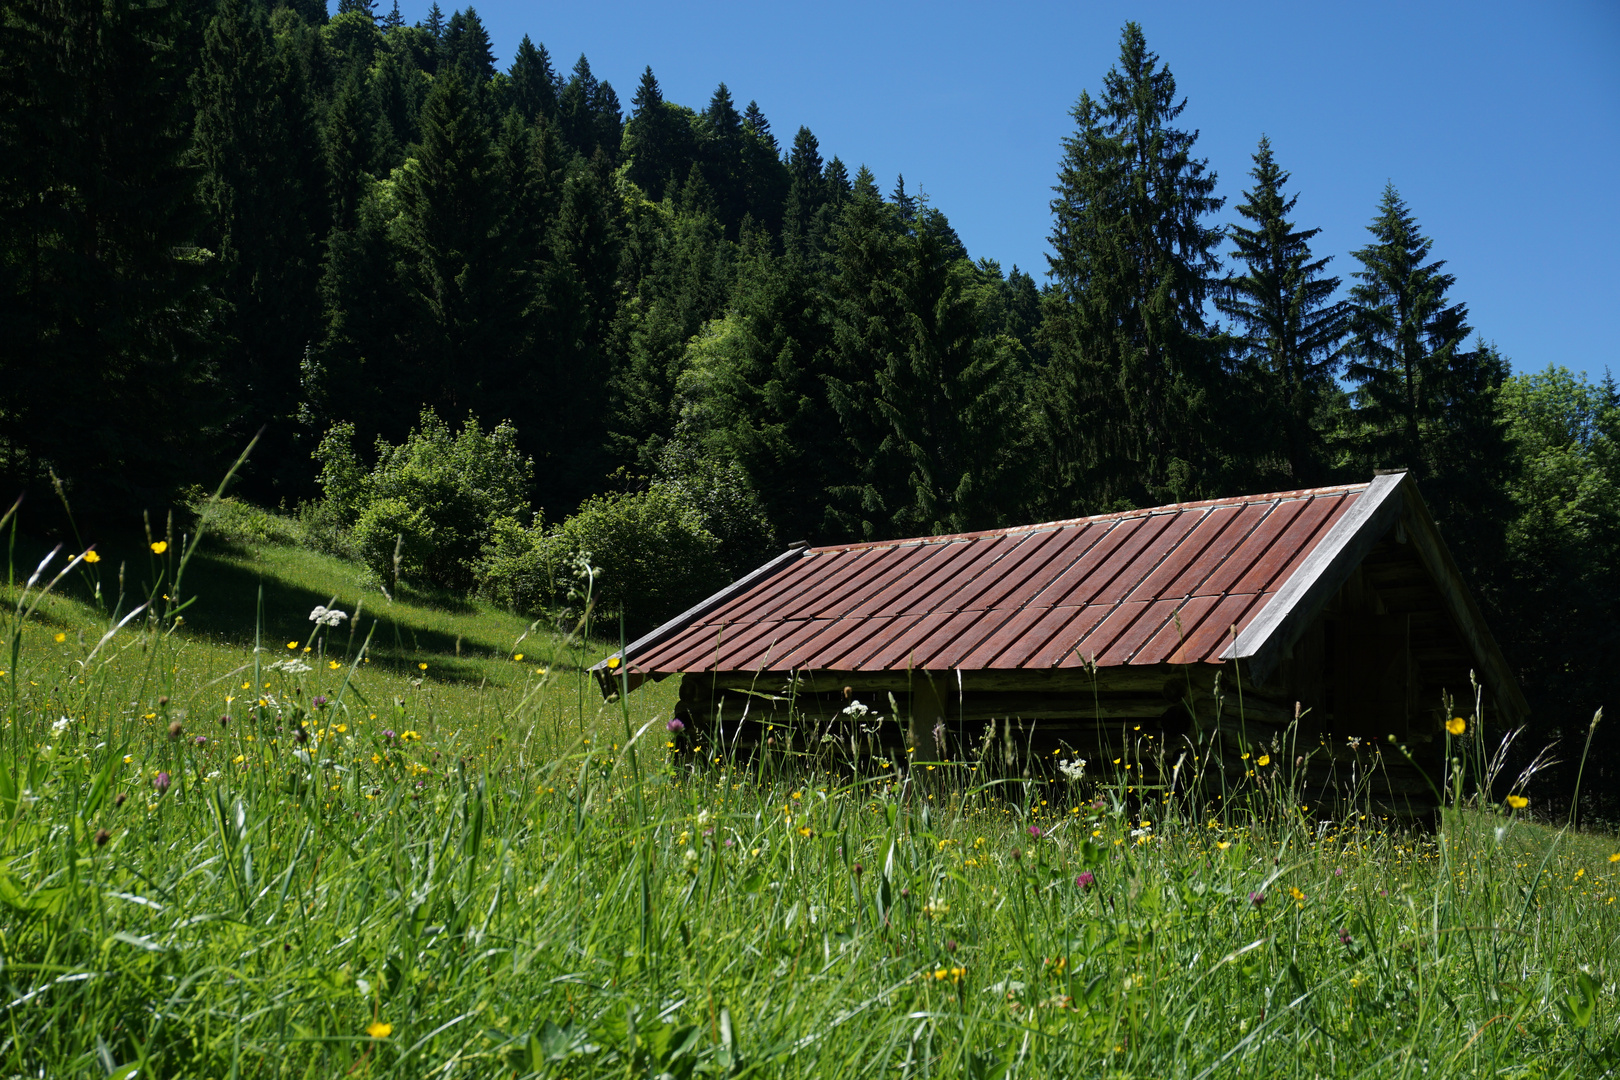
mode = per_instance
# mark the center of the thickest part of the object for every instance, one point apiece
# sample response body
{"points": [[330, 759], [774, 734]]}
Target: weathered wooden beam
{"points": [[950, 683]]}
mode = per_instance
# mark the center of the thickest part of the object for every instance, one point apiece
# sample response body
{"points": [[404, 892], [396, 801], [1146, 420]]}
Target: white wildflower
{"points": [[1074, 770], [61, 725], [291, 667], [325, 616], [856, 709]]}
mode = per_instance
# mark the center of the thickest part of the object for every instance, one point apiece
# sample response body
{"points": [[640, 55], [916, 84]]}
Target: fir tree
{"points": [[1291, 326], [259, 147], [1423, 400], [434, 24], [351, 135], [1129, 396], [905, 206], [450, 221], [368, 8], [466, 46], [393, 20], [658, 139], [107, 320], [722, 150], [534, 83], [755, 124]]}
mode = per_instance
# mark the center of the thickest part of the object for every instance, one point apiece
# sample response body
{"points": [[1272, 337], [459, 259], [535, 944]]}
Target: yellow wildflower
{"points": [[1265, 759], [1518, 802], [292, 644], [333, 664], [1615, 857], [1456, 725], [61, 638], [160, 547], [379, 1030], [517, 656], [421, 667], [612, 663], [92, 557]]}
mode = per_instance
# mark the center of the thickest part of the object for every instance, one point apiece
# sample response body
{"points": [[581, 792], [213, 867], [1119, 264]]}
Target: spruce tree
{"points": [[1423, 400], [105, 367], [1131, 392], [351, 146], [466, 46], [434, 24], [1291, 327], [393, 20], [722, 150], [534, 83], [658, 139], [450, 220], [265, 187]]}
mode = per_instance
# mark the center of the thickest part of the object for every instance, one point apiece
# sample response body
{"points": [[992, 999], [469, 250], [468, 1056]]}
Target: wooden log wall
{"points": [[1160, 720]]}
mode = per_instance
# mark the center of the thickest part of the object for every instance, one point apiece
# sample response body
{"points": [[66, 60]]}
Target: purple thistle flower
{"points": [[201, 740], [1035, 831], [318, 701], [676, 725], [1085, 881], [161, 782], [1257, 899], [1344, 937], [388, 733]]}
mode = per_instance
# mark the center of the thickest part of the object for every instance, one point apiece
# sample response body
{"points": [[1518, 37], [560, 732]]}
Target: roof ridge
{"points": [[1117, 515]]}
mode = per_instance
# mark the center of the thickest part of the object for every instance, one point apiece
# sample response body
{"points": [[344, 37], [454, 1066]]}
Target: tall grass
{"points": [[220, 864]]}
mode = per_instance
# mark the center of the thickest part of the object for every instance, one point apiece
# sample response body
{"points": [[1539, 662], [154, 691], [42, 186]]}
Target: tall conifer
{"points": [[1129, 407], [1291, 327]]}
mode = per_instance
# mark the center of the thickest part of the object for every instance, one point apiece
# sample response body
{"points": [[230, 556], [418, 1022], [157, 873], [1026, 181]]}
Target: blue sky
{"points": [[1498, 122]]}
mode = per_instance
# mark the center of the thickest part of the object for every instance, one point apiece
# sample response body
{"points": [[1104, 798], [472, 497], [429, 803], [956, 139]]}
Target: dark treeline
{"points": [[222, 216]]}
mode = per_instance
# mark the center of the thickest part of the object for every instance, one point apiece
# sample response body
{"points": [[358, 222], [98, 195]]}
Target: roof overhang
{"points": [[1390, 503]]}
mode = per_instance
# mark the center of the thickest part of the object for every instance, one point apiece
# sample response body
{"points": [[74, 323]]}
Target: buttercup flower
{"points": [[92, 556], [160, 547], [1518, 802], [1456, 725], [379, 1030]]}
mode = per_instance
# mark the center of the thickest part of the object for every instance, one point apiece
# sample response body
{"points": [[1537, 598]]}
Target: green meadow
{"points": [[418, 842]]}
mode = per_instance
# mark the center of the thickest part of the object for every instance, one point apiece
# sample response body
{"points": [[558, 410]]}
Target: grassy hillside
{"points": [[215, 867]]}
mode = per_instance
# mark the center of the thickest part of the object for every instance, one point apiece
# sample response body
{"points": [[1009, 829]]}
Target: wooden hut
{"points": [[1329, 625]]}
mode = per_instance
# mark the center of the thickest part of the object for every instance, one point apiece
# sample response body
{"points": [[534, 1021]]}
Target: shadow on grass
{"points": [[225, 579]]}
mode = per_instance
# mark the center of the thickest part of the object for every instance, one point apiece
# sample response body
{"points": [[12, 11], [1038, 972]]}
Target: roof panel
{"points": [[1144, 587]]}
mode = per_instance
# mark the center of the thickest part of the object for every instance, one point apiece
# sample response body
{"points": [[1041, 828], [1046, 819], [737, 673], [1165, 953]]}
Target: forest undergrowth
{"points": [[221, 860]]}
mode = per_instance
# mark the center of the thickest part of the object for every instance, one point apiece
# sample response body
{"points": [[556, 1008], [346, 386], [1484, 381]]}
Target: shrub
{"points": [[654, 554], [435, 499], [521, 567]]}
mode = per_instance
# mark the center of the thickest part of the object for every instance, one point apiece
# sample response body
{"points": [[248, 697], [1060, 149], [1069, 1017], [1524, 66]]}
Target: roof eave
{"points": [[1391, 499], [613, 672]]}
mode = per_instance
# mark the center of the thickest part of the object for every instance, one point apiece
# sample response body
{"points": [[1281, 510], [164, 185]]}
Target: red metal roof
{"points": [[1166, 585]]}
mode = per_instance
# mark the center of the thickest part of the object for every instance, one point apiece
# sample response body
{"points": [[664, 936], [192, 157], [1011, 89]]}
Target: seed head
{"points": [[121, 799], [225, 719], [102, 836], [176, 729]]}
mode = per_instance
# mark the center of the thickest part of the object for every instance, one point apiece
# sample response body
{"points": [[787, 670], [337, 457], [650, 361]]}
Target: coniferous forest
{"points": [[365, 240]]}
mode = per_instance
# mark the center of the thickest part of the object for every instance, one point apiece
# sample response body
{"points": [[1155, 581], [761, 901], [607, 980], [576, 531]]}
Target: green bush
{"points": [[434, 500], [521, 569]]}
